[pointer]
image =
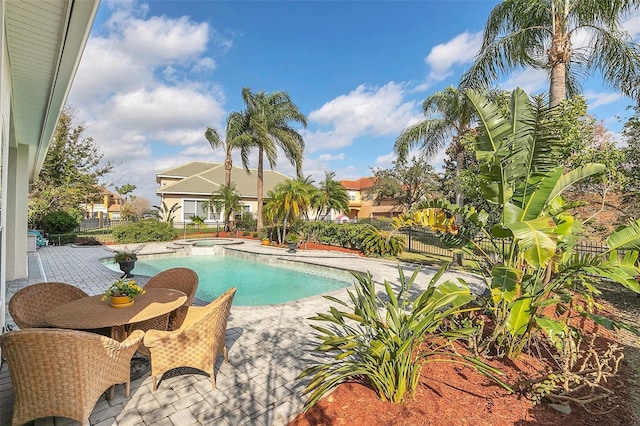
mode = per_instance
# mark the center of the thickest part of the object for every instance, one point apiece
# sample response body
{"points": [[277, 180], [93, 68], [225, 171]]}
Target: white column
{"points": [[17, 203]]}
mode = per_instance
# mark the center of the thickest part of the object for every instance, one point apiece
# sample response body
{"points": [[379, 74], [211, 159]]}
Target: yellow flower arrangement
{"points": [[123, 287]]}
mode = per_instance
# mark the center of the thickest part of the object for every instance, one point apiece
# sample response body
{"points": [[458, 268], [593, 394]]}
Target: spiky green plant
{"points": [[378, 340], [381, 243]]}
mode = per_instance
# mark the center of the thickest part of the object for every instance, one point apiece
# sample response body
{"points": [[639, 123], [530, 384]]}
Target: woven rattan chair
{"points": [[183, 279], [29, 305], [62, 373], [196, 344]]}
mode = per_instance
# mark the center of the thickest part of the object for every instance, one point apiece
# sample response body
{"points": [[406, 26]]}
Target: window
{"points": [[199, 208], [352, 196]]}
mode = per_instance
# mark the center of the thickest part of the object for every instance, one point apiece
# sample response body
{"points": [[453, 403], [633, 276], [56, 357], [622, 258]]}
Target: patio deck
{"points": [[268, 347]]}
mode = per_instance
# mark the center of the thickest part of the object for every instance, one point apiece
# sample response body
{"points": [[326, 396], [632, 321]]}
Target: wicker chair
{"points": [[29, 305], [183, 279], [62, 373], [196, 344]]}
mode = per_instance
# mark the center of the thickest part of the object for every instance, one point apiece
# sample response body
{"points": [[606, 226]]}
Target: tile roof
{"points": [[207, 178], [360, 184]]}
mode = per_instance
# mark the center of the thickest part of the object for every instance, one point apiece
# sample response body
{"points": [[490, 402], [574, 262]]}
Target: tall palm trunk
{"points": [[259, 189], [459, 196], [558, 54], [557, 86], [228, 164]]}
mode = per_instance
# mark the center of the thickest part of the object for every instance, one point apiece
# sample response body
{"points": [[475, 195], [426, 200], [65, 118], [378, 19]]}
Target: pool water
{"points": [[258, 283]]}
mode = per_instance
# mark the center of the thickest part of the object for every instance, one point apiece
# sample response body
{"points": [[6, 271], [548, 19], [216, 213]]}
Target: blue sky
{"points": [[155, 74]]}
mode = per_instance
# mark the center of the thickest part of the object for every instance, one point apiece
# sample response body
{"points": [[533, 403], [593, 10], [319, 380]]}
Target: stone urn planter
{"points": [[126, 267]]}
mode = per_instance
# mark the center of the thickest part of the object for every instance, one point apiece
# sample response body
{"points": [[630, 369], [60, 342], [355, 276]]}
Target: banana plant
{"points": [[535, 261]]}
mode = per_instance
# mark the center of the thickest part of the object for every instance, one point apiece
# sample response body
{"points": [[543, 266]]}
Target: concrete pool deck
{"points": [[268, 345]]}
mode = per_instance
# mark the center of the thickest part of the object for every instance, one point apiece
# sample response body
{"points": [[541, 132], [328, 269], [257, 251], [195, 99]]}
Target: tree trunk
{"points": [[259, 225], [558, 54], [557, 91], [459, 195], [228, 164]]}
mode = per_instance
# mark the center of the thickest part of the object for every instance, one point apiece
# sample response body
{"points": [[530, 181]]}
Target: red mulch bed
{"points": [[454, 395]]}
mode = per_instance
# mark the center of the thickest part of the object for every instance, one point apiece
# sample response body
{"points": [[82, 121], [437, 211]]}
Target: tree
{"points": [[227, 201], [449, 115], [267, 128], [135, 208], [288, 201], [539, 33], [72, 169], [330, 196], [125, 189], [236, 124], [408, 184]]}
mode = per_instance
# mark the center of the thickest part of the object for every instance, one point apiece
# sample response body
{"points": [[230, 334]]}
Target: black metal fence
{"points": [[423, 241]]}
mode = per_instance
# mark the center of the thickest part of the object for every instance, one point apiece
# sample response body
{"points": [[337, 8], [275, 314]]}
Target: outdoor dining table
{"points": [[92, 312]]}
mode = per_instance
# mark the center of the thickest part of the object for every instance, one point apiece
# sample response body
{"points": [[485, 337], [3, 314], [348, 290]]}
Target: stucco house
{"points": [[191, 185], [42, 43], [104, 204], [362, 204]]}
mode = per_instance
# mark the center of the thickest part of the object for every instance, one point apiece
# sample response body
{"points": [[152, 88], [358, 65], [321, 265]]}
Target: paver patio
{"points": [[268, 347]]}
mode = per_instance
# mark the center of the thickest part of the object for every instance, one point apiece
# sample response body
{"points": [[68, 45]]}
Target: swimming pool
{"points": [[258, 283]]}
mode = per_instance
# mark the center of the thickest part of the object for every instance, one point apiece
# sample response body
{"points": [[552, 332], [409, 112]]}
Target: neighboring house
{"points": [[192, 184], [42, 42], [362, 203], [105, 204]]}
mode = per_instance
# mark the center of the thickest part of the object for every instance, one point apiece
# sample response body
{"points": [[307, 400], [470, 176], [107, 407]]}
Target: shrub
{"points": [[144, 231], [381, 243], [60, 222], [380, 340]]}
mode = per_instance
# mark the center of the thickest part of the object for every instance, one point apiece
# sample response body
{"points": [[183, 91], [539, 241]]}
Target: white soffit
{"points": [[45, 40]]}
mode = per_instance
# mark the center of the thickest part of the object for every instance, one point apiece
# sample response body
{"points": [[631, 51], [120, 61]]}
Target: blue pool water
{"points": [[258, 283]]}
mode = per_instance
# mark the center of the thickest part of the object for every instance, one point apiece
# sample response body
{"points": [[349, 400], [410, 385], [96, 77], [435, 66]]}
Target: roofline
{"points": [[80, 17]]}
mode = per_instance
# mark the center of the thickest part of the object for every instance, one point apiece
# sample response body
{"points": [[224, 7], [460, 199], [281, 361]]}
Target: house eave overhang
{"points": [[45, 41]]}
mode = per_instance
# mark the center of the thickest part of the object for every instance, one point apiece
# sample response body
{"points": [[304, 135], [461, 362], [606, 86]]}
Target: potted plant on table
{"points": [[122, 292], [127, 261]]}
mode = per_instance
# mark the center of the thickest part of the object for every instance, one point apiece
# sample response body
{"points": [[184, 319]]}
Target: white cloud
{"points": [[162, 108], [530, 80], [384, 161], [632, 25], [134, 92], [371, 111], [329, 157], [457, 51], [160, 39], [596, 99]]}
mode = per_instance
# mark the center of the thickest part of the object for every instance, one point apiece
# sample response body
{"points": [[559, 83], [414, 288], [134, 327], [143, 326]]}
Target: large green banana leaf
{"points": [[537, 240], [627, 237]]}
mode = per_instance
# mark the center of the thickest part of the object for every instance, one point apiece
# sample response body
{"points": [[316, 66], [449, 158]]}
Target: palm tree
{"points": [[196, 222], [449, 114], [538, 34], [227, 201], [331, 196], [290, 200], [235, 126], [267, 118]]}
